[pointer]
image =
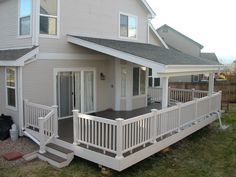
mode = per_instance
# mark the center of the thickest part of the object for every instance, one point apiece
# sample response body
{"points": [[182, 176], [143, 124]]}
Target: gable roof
{"points": [[186, 37], [16, 57], [210, 56], [162, 61], [157, 35], [150, 52]]}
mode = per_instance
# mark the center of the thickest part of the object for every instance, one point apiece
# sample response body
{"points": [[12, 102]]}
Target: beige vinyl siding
{"points": [[153, 39], [180, 43], [38, 80], [3, 109], [97, 18], [9, 26], [139, 101]]}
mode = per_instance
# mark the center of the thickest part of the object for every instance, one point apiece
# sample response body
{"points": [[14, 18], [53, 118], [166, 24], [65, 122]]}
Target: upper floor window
{"points": [[48, 17], [128, 26], [24, 17], [11, 87]]}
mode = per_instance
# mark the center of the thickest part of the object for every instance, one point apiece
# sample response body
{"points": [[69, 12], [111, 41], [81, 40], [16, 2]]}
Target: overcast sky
{"points": [[211, 23]]}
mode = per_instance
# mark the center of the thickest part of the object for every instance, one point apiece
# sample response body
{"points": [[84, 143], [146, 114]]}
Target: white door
{"points": [[75, 90]]}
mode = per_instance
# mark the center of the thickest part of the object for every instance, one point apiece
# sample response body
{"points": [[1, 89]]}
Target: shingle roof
{"points": [[14, 54], [210, 56], [149, 52]]}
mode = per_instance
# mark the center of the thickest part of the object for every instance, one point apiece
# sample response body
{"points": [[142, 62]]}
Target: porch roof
{"points": [[17, 57], [161, 60]]}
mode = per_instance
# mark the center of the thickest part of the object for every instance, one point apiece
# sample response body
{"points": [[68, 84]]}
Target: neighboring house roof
{"points": [[210, 56], [16, 57], [162, 60], [186, 37]]}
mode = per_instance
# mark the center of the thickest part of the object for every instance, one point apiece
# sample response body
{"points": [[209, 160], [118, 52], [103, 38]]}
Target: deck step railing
{"points": [[176, 95], [125, 136], [41, 121]]}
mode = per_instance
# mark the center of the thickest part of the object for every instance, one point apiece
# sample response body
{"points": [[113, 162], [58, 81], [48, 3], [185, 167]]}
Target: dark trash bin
{"points": [[5, 126]]}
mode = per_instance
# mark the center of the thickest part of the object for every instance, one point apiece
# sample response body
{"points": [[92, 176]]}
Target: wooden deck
{"points": [[65, 126]]}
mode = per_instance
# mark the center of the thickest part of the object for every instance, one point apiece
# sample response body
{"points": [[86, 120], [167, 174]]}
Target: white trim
{"points": [[77, 69], [57, 17], [71, 56], [118, 54], [31, 21], [13, 108], [16, 48], [20, 61], [157, 35], [152, 13], [128, 15]]}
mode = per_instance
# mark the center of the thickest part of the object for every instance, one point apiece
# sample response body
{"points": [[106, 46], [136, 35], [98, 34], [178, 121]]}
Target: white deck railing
{"points": [[179, 95], [42, 121], [123, 136]]}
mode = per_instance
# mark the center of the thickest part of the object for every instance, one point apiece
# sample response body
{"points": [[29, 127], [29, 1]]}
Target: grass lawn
{"points": [[209, 152]]}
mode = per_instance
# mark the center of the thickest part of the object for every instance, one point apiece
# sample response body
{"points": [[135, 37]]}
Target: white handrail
{"points": [[123, 136], [43, 120]]}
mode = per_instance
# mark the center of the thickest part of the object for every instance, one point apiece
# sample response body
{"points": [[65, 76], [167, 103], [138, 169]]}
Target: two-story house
{"points": [[90, 58]]}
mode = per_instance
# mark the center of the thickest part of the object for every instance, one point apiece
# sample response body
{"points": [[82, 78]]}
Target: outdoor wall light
{"points": [[102, 76]]}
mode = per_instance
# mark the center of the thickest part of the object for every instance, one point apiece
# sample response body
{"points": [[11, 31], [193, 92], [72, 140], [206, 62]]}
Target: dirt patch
{"points": [[22, 145]]}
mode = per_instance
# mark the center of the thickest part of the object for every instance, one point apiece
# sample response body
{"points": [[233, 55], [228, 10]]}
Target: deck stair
{"points": [[57, 156]]}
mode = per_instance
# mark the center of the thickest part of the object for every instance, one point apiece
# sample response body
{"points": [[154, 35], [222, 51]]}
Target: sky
{"points": [[211, 23]]}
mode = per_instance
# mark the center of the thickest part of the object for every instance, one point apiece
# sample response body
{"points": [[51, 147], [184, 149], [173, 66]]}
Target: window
{"points": [[153, 81], [48, 17], [195, 78], [11, 87], [123, 82], [128, 26], [24, 17], [139, 81]]}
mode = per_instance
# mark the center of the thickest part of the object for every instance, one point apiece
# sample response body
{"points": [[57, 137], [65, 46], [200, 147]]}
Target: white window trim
{"points": [[57, 36], [139, 94], [129, 15], [31, 21], [15, 88]]}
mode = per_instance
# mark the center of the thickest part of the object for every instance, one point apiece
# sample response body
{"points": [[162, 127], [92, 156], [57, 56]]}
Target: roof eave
{"points": [[21, 61], [151, 11], [181, 70], [116, 53]]}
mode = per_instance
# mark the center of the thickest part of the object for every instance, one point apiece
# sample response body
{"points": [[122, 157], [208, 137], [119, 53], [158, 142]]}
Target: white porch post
{"points": [[165, 91], [211, 84]]}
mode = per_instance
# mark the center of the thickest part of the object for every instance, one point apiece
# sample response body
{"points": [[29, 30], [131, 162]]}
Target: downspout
{"points": [[20, 100]]}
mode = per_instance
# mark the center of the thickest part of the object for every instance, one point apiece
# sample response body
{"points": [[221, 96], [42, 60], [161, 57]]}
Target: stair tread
{"points": [[53, 157], [59, 148]]}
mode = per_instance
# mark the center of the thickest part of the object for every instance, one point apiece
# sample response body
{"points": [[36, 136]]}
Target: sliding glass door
{"points": [[75, 90]]}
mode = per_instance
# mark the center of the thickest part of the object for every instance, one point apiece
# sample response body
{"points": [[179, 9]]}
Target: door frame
{"points": [[77, 69]]}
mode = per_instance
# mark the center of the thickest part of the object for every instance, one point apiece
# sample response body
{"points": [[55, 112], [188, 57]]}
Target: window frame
{"points": [[128, 15], [19, 17], [153, 79], [14, 108], [57, 36], [145, 84]]}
